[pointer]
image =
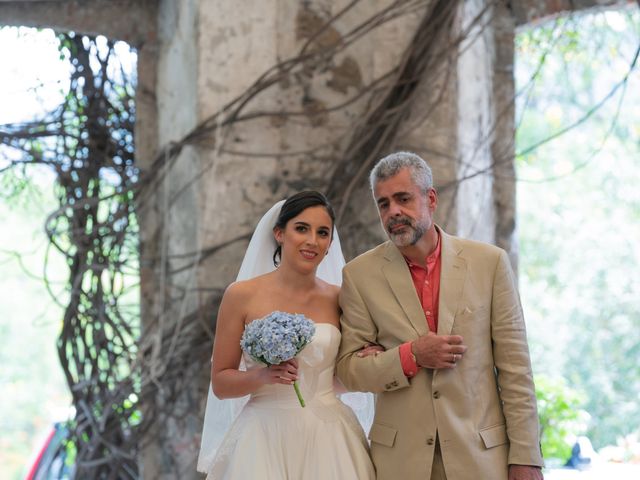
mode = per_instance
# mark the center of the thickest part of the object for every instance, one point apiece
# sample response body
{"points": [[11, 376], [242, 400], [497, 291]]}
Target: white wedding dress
{"points": [[274, 438]]}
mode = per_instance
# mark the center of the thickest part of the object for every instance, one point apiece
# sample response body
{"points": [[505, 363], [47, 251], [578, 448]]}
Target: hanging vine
{"points": [[88, 143]]}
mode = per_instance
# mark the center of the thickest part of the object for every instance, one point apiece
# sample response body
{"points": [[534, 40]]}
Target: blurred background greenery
{"points": [[34, 391], [578, 226]]}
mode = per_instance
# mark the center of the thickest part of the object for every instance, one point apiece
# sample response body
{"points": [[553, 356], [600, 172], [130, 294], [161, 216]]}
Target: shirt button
{"points": [[436, 394], [430, 441], [428, 312]]}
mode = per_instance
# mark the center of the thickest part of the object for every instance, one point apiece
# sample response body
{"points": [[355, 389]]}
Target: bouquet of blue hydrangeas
{"points": [[276, 338]]}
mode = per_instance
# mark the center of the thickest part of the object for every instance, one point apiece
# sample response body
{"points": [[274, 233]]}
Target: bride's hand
{"points": [[285, 372], [370, 349]]}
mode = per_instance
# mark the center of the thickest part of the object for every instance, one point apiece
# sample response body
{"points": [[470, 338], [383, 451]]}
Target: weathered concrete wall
{"points": [[453, 126], [486, 193], [532, 11], [127, 20], [475, 119], [235, 49], [170, 225], [428, 129], [259, 163], [376, 55]]}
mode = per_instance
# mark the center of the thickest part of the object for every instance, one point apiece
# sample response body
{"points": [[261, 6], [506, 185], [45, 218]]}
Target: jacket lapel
{"points": [[453, 272], [398, 276]]}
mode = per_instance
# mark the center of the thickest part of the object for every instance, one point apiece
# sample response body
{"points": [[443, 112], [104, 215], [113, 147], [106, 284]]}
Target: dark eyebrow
{"points": [[305, 224]]}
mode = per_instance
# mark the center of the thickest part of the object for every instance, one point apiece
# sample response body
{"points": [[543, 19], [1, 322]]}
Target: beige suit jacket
{"points": [[484, 409]]}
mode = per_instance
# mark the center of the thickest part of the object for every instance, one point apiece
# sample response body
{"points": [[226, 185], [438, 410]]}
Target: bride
{"points": [[273, 437]]}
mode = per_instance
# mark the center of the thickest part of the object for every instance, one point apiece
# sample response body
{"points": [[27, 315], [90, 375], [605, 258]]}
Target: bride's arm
{"points": [[366, 350], [226, 380]]}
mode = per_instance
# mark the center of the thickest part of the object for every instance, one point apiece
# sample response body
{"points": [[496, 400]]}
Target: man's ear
{"points": [[432, 198]]}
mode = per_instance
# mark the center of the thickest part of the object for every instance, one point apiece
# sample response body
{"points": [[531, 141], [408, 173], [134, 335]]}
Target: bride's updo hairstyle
{"points": [[294, 206]]}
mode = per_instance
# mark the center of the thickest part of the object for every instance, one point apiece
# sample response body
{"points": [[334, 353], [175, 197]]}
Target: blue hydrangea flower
{"points": [[278, 337]]}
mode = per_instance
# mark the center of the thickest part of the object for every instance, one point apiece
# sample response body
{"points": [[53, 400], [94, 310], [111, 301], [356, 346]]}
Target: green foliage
{"points": [[561, 418], [14, 184], [578, 212], [34, 390]]}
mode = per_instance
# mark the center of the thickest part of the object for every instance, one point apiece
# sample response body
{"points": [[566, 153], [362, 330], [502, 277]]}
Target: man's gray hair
{"points": [[391, 165]]}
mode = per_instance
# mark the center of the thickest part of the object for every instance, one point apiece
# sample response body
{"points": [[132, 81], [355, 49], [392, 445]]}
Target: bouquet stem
{"points": [[297, 389]]}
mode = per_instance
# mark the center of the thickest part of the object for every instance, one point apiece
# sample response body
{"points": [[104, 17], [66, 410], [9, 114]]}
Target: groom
{"points": [[455, 392]]}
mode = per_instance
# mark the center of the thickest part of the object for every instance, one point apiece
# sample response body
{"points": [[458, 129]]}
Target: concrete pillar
{"points": [[127, 20], [503, 136], [475, 214], [169, 229], [531, 11]]}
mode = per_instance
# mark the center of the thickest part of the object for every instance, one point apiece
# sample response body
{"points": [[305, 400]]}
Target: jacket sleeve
{"points": [[379, 373], [513, 365]]}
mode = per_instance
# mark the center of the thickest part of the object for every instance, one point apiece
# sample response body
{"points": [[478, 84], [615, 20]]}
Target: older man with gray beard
{"points": [[455, 394]]}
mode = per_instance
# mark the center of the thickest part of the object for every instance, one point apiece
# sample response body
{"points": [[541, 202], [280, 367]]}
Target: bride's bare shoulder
{"points": [[329, 290], [245, 288]]}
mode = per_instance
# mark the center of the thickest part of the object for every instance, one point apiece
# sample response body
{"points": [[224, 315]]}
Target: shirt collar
{"points": [[432, 258]]}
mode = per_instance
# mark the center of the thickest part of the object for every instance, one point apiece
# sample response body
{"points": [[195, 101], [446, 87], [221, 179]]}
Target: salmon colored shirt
{"points": [[427, 284]]}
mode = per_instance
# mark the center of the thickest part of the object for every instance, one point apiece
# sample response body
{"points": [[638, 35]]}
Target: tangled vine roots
{"points": [[88, 142]]}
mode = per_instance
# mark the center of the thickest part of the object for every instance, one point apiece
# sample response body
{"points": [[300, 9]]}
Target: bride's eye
{"points": [[301, 228], [323, 233]]}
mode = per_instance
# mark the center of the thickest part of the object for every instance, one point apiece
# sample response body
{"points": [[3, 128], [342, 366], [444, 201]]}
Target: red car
{"points": [[52, 459]]}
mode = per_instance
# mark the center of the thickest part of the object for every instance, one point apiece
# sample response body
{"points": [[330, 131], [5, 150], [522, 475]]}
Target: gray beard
{"points": [[409, 238]]}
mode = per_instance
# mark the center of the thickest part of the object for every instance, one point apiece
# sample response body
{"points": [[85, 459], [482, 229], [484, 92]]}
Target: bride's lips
{"points": [[308, 254]]}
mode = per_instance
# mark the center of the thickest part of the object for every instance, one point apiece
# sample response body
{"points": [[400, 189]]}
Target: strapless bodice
{"points": [[275, 438], [316, 364]]}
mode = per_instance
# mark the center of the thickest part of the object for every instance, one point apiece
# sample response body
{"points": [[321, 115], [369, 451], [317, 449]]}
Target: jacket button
{"points": [[436, 394], [430, 441]]}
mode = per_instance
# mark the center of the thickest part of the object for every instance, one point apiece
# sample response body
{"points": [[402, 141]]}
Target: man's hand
{"points": [[370, 349], [525, 472], [438, 351]]}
